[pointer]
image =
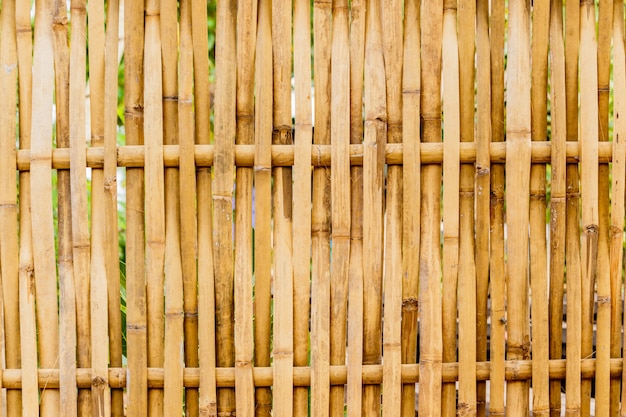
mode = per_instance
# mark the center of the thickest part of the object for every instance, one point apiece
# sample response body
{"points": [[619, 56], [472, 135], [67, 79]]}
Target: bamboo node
{"points": [[98, 382], [591, 230], [604, 300], [170, 98], [410, 304], [465, 409], [481, 170], [616, 231]]}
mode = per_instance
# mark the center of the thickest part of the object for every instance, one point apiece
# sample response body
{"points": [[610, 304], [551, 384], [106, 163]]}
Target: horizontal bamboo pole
{"points": [[263, 376], [283, 155]]}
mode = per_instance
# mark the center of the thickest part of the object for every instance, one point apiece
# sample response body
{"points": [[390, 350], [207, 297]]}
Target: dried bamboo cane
{"points": [[538, 255], [67, 297], [589, 181], [320, 217], [188, 231], [136, 319], [9, 267], [225, 131], [41, 186], [244, 348], [605, 402], [302, 201], [430, 262], [207, 392], [373, 215], [411, 193], [263, 189], [451, 179], [558, 195], [572, 250], [517, 191]]}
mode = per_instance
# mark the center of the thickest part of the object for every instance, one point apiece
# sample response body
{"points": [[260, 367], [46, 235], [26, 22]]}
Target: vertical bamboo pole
{"points": [[430, 263], [373, 185], [188, 231], [517, 190], [496, 260], [451, 180], [41, 186], [225, 131], [482, 189], [110, 198], [589, 181], [572, 246], [605, 403], [558, 195], [244, 348], [302, 203], [67, 297], [136, 320], [9, 267], [263, 189], [538, 265], [411, 216], [320, 217]]}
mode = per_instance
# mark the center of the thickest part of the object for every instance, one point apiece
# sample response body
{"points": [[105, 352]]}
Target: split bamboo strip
{"points": [[9, 244], [588, 182], [302, 204], [538, 265], [411, 193], [517, 202], [225, 131], [340, 194], [41, 186], [482, 189], [282, 196], [373, 183], [155, 202], [67, 295], [136, 320], [244, 348], [392, 37], [430, 263], [558, 196], [110, 198], [188, 231], [451, 180], [263, 200], [320, 216], [604, 386], [496, 260], [207, 395]]}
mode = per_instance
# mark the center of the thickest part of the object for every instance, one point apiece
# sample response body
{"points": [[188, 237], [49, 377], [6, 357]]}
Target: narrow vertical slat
{"points": [[244, 348], [41, 187], [375, 130], [451, 137], [430, 263], [538, 254], [302, 201], [558, 195], [9, 243], [136, 319], [411, 216], [225, 132], [517, 200], [320, 216]]}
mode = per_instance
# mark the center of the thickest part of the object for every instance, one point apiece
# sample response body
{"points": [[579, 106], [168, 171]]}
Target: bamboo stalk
{"points": [[320, 216], [558, 195], [136, 318], [373, 215], [9, 245], [41, 181], [430, 269], [517, 191], [538, 266], [451, 180], [411, 194]]}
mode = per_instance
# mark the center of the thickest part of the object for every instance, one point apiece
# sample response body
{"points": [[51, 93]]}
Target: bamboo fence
{"points": [[327, 208]]}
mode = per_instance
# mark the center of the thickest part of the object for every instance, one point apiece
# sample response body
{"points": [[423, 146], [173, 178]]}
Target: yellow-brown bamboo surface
{"points": [[312, 207]]}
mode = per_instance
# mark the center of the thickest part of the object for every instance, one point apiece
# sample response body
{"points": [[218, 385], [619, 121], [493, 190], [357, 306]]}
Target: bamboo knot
{"points": [[616, 231], [170, 98], [98, 382], [591, 229], [282, 135], [209, 409], [604, 300], [465, 409], [481, 170], [243, 364], [410, 304], [110, 183]]}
